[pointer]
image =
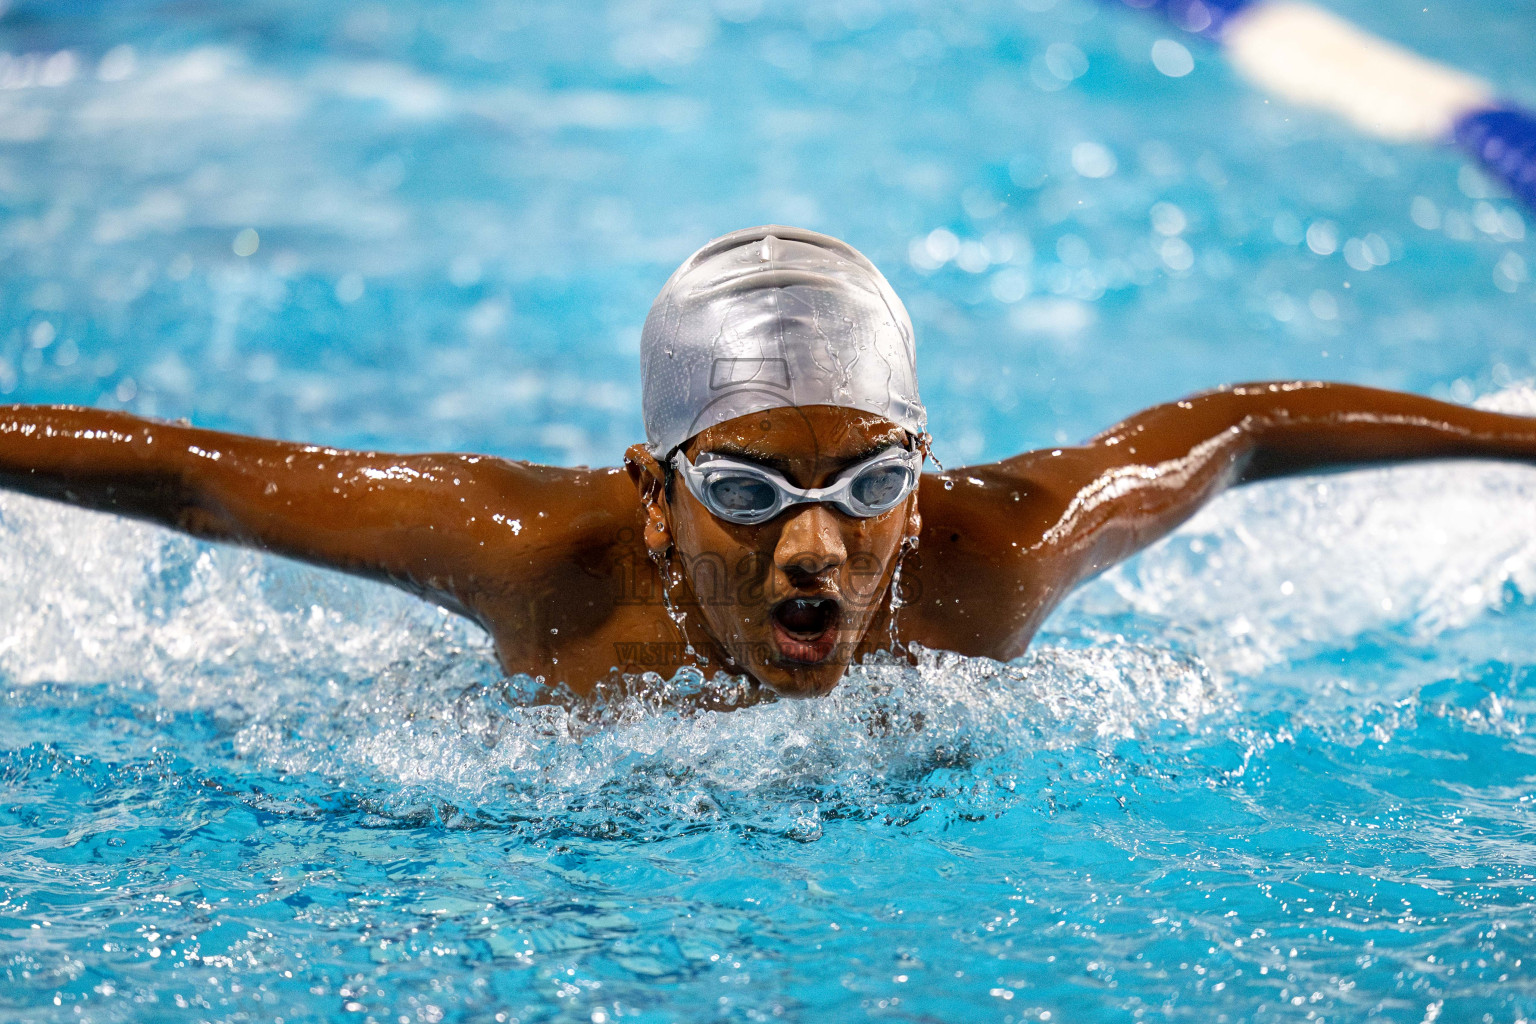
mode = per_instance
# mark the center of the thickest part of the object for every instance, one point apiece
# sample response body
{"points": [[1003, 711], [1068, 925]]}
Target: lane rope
{"points": [[1310, 56]]}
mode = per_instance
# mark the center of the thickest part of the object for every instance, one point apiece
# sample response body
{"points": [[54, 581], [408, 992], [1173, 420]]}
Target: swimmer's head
{"points": [[774, 317], [794, 599], [786, 350]]}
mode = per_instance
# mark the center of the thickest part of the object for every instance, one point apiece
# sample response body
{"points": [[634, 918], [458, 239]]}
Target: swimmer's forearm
{"points": [[1317, 427], [1275, 429], [211, 484], [92, 458], [385, 516], [1140, 479]]}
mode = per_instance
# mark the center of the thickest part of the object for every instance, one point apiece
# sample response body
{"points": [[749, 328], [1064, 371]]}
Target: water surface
{"points": [[1279, 768]]}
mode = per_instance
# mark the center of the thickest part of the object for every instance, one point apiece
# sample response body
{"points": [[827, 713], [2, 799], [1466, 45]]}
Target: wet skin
{"points": [[568, 569]]}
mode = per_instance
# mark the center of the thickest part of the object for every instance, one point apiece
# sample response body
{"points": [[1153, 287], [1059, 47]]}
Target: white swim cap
{"points": [[770, 317]]}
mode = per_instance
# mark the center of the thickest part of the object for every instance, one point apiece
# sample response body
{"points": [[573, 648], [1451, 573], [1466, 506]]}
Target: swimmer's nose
{"points": [[811, 544]]}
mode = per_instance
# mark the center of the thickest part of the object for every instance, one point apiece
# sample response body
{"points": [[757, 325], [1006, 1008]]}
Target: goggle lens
{"points": [[880, 487], [741, 494]]}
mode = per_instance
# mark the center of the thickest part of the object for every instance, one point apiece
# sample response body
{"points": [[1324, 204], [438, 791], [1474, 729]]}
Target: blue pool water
{"points": [[1280, 768]]}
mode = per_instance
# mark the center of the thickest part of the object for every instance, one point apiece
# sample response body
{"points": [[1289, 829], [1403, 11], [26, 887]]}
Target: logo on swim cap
{"points": [[770, 317]]}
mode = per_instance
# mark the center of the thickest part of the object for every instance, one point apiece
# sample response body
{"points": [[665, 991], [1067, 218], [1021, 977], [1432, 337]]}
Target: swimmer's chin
{"points": [[802, 689], [796, 681]]}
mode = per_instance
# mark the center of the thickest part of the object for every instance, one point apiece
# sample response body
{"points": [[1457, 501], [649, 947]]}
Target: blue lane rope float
{"points": [[1202, 17], [1504, 140], [1310, 56]]}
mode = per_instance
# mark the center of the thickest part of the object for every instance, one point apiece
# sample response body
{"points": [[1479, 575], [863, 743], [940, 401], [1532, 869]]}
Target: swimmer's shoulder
{"points": [[996, 503], [560, 552], [557, 506], [979, 583]]}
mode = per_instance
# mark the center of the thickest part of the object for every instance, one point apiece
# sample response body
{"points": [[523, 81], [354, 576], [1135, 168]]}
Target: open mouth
{"points": [[805, 628]]}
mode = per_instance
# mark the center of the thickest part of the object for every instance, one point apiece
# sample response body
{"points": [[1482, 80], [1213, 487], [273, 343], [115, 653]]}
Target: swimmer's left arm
{"points": [[1098, 503]]}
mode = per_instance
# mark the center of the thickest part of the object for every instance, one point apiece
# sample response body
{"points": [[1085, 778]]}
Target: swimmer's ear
{"points": [[650, 484]]}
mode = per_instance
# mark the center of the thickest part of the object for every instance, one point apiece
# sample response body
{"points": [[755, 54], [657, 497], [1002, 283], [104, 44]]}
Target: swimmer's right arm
{"points": [[441, 526]]}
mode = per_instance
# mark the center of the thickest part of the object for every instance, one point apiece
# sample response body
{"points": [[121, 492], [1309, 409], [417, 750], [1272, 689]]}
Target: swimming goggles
{"points": [[744, 492]]}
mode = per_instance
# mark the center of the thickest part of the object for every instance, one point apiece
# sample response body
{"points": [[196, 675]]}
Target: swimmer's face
{"points": [[791, 599]]}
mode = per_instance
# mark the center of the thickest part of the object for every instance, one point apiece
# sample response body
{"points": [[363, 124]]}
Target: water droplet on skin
{"points": [[678, 617], [893, 634]]}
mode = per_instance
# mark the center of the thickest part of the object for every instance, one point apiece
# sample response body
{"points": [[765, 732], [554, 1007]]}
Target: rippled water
{"points": [[1279, 768]]}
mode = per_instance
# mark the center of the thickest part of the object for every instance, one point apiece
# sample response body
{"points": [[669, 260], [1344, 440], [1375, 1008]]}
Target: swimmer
{"points": [[777, 523]]}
